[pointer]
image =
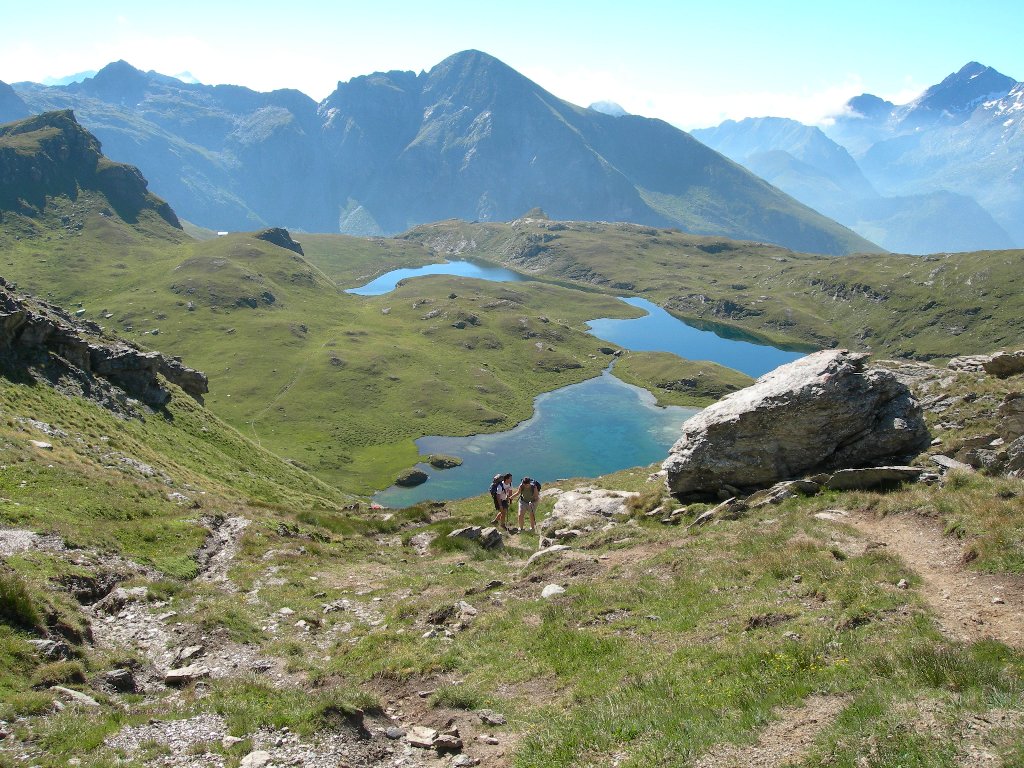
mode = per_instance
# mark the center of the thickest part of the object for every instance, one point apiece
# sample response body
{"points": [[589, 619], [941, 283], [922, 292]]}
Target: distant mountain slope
{"points": [[11, 105], [471, 138], [802, 161], [962, 136]]}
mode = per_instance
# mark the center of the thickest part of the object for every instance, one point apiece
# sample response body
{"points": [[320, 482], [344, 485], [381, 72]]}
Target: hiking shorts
{"points": [[527, 506]]}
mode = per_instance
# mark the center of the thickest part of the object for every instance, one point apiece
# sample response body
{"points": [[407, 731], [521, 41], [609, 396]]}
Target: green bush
{"points": [[16, 605]]}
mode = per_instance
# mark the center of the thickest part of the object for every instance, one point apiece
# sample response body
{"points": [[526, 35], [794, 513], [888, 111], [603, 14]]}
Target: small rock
{"points": [[120, 597], [998, 601], [902, 584], [446, 743], [490, 717], [394, 732], [41, 445], [52, 649], [257, 759], [551, 590], [464, 761], [122, 680], [286, 612], [76, 697], [419, 736], [797, 578], [488, 739], [186, 675], [188, 652], [229, 741], [553, 549]]}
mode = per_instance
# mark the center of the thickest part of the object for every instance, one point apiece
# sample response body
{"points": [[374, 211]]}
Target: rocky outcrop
{"points": [[999, 364], [281, 238], [824, 412], [587, 507], [41, 340], [50, 155]]}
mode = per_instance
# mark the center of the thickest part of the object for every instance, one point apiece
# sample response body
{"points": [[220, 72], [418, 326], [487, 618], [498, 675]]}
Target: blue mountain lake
{"points": [[387, 282], [658, 331], [595, 427], [587, 429]]}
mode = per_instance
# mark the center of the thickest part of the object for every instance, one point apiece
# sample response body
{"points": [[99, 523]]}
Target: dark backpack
{"points": [[493, 490]]}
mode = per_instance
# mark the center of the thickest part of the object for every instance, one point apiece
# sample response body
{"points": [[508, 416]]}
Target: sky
{"points": [[691, 64]]}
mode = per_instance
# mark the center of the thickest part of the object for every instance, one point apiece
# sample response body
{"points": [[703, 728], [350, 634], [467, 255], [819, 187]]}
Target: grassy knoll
{"points": [[675, 381], [906, 306]]}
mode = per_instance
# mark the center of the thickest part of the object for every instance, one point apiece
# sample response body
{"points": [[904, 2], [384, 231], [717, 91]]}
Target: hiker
{"points": [[501, 491], [528, 493]]}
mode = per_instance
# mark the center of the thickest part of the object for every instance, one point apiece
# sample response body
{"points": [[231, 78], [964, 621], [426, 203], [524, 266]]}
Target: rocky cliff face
{"points": [[41, 341], [51, 154]]}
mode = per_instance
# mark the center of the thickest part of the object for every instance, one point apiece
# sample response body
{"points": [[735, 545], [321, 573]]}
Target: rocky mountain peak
{"points": [[119, 82], [870, 106], [963, 90]]}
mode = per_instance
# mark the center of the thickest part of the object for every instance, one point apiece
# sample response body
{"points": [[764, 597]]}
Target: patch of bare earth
{"points": [[970, 606], [783, 742]]}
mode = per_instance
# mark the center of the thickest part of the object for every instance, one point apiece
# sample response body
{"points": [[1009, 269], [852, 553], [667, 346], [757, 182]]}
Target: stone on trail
{"points": [[824, 412], [116, 601], [554, 549], [186, 675], [422, 737], [257, 759]]}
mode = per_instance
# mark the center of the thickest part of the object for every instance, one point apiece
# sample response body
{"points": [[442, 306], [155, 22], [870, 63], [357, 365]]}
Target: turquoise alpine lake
{"points": [[387, 282], [658, 331], [595, 427]]}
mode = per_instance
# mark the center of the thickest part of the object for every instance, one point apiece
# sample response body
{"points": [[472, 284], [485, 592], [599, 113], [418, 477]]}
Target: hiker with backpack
{"points": [[501, 495], [529, 494]]}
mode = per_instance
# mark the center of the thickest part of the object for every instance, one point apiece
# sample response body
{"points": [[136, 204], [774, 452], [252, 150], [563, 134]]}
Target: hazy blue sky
{"points": [[693, 64]]}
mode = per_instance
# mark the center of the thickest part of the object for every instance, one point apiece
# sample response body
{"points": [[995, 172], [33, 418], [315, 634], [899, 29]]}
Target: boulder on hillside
{"points": [[280, 237], [824, 412], [1004, 364], [1011, 417], [585, 507]]}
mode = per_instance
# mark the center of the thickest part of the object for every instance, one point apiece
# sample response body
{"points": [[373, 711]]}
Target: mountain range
{"points": [[941, 173], [471, 138]]}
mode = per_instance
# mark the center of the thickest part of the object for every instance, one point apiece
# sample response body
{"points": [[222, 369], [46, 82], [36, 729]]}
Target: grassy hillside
{"points": [[340, 383], [783, 630], [906, 306]]}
